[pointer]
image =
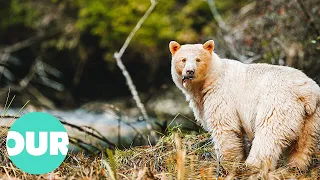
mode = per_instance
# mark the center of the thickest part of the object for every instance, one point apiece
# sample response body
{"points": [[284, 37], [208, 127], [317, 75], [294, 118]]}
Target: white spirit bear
{"points": [[277, 106]]}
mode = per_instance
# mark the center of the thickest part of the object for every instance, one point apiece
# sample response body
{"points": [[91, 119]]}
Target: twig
{"points": [[124, 71], [6, 51], [136, 136], [111, 145], [3, 59], [225, 29], [132, 87], [135, 29], [8, 117], [26, 43], [40, 97], [94, 130], [26, 80], [42, 72], [81, 144], [82, 129], [5, 105], [122, 118], [135, 129], [6, 110], [119, 131], [219, 164], [217, 16], [21, 45]]}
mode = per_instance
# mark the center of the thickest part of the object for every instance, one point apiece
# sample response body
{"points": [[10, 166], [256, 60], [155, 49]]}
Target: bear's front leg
{"points": [[265, 151], [225, 127], [228, 144]]}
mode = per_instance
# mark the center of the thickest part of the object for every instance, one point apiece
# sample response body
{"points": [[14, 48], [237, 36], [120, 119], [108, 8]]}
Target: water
{"points": [[120, 130]]}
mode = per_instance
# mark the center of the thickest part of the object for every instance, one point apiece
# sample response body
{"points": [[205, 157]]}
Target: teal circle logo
{"points": [[37, 143]]}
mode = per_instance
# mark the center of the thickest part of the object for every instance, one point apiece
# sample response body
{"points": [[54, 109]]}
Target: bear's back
{"points": [[263, 82], [267, 75], [281, 77]]}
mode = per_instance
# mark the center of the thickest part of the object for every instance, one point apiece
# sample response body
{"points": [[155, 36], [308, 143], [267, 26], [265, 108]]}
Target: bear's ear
{"points": [[209, 45], [174, 47]]}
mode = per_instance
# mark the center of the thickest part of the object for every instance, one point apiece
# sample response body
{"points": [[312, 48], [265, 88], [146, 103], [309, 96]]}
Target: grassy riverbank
{"points": [[176, 156]]}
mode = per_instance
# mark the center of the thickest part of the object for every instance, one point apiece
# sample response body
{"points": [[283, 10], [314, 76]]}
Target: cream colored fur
{"points": [[276, 106]]}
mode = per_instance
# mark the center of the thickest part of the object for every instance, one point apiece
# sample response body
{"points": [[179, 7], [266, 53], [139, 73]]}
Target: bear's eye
{"points": [[184, 60], [198, 60]]}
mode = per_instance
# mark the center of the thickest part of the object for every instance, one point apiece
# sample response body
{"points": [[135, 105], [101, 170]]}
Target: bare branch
{"points": [[40, 97], [126, 74], [26, 80], [218, 167], [82, 129], [83, 145], [132, 88], [5, 105], [225, 30], [26, 43], [20, 45], [95, 133], [135, 29], [217, 16]]}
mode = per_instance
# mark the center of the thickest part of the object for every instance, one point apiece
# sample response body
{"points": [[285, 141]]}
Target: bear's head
{"points": [[190, 63]]}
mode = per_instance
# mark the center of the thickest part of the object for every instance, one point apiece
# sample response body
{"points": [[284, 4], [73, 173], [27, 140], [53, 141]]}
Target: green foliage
{"points": [[15, 12], [111, 21]]}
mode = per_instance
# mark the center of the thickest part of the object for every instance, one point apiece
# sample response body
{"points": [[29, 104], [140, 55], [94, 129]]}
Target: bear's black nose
{"points": [[190, 72]]}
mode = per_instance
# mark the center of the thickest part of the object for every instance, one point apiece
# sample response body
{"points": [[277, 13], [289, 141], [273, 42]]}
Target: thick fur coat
{"points": [[277, 107]]}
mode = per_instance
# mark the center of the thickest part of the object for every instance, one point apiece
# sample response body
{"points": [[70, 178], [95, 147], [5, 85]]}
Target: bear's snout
{"points": [[187, 76], [190, 72]]}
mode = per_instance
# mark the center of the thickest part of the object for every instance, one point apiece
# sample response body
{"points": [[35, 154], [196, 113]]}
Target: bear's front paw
{"points": [[253, 162], [266, 163]]}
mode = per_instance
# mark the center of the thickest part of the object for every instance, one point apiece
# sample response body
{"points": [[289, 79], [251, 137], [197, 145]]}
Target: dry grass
{"points": [[176, 156], [164, 162]]}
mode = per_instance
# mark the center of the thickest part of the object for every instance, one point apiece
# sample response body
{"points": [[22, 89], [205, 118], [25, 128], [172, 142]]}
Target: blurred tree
{"points": [[280, 32], [79, 37]]}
